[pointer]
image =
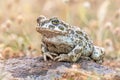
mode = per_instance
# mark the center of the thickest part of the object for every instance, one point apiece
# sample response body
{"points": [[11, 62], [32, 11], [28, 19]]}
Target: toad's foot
{"points": [[100, 61], [48, 54], [85, 58], [72, 56], [62, 57]]}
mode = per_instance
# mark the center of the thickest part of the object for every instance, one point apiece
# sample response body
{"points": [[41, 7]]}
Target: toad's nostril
{"points": [[40, 18]]}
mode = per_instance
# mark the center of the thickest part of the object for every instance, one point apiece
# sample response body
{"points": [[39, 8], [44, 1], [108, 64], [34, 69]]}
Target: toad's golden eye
{"points": [[55, 21]]}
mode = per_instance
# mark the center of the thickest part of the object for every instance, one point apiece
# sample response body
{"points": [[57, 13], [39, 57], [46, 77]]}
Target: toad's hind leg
{"points": [[98, 54], [46, 53], [72, 56]]}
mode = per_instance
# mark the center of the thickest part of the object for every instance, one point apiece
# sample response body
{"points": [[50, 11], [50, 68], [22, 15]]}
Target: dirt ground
{"points": [[37, 69]]}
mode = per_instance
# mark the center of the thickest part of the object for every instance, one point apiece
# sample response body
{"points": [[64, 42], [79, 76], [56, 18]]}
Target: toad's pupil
{"points": [[55, 22]]}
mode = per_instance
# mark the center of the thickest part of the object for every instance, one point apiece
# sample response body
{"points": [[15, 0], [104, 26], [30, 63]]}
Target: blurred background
{"points": [[99, 18]]}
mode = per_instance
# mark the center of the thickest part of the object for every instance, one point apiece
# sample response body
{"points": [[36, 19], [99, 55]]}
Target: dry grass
{"points": [[99, 18]]}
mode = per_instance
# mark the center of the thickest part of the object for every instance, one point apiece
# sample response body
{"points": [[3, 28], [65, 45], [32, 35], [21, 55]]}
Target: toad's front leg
{"points": [[72, 56], [46, 53]]}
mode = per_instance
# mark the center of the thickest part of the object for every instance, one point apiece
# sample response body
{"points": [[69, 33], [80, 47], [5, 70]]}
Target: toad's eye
{"points": [[55, 21]]}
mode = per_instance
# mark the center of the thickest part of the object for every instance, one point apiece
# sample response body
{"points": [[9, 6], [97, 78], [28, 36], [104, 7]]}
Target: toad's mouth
{"points": [[48, 32]]}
